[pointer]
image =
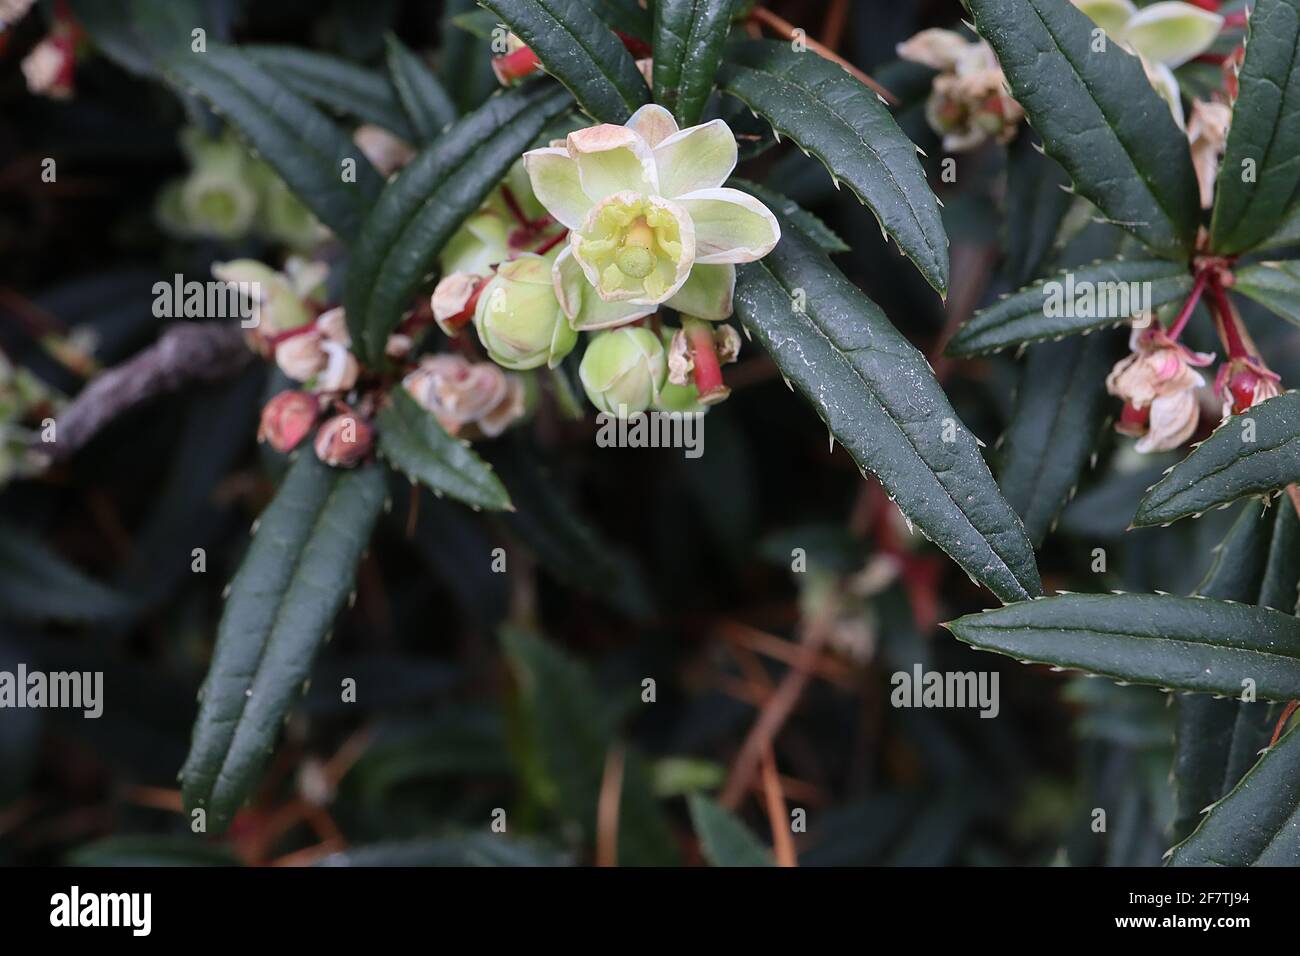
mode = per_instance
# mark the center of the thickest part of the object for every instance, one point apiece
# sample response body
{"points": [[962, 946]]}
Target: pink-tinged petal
{"points": [[730, 226], [701, 157], [557, 185], [707, 292], [654, 123], [1173, 420], [612, 159]]}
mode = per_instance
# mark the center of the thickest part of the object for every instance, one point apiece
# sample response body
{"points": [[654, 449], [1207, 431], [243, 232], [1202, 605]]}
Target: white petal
{"points": [[701, 157], [654, 123], [730, 225], [707, 292], [584, 309], [1172, 32], [555, 181], [613, 159]]}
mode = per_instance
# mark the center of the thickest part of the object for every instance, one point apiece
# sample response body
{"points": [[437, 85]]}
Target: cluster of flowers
{"points": [[595, 233], [230, 194], [591, 234], [969, 103]]}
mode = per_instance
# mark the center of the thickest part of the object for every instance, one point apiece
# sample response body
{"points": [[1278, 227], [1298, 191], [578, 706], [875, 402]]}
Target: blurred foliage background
{"points": [[524, 691]]}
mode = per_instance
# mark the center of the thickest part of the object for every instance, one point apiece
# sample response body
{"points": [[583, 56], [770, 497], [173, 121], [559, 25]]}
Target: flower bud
{"points": [[518, 318], [623, 371], [344, 440], [518, 62], [1243, 382], [279, 307], [286, 420], [300, 355], [1158, 384], [341, 367], [454, 299]]}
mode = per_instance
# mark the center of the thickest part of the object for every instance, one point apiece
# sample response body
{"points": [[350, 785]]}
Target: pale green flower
{"points": [[650, 221], [518, 319], [623, 371], [510, 221]]}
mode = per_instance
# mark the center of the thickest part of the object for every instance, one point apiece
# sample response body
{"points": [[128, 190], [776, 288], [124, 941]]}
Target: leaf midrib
{"points": [[294, 578], [842, 356], [1110, 124], [889, 173]]}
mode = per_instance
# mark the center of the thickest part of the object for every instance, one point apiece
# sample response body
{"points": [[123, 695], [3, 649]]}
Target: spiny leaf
{"points": [[422, 208], [337, 84], [688, 41], [1258, 823], [810, 225], [1274, 285], [415, 444], [293, 580], [1173, 642], [1098, 117], [1253, 453], [1218, 740], [833, 116], [1074, 301], [1059, 409], [426, 104], [580, 51], [1259, 181], [724, 839], [301, 144], [880, 400]]}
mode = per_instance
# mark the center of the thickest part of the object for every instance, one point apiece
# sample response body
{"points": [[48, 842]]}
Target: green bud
{"points": [[518, 318], [623, 371]]}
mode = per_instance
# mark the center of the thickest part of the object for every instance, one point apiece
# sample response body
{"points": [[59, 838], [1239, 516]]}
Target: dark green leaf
{"points": [[1253, 453], [36, 584], [878, 396], [1218, 739], [688, 41], [800, 218], [1274, 285], [1259, 180], [425, 102], [579, 50], [296, 575], [724, 840], [1074, 301], [1098, 117], [831, 115], [1037, 201], [337, 84], [301, 144], [1172, 642], [626, 16], [420, 210], [414, 443], [1258, 823], [465, 61], [1059, 410], [569, 728]]}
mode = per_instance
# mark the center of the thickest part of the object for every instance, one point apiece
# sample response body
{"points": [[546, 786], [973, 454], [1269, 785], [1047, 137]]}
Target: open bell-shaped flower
{"points": [[649, 219], [1158, 383]]}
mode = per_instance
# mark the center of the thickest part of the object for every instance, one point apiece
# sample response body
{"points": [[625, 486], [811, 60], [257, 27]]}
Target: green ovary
{"points": [[634, 247]]}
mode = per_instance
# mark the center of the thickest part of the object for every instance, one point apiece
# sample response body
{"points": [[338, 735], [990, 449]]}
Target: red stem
{"points": [[1176, 329], [1228, 322], [551, 243]]}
